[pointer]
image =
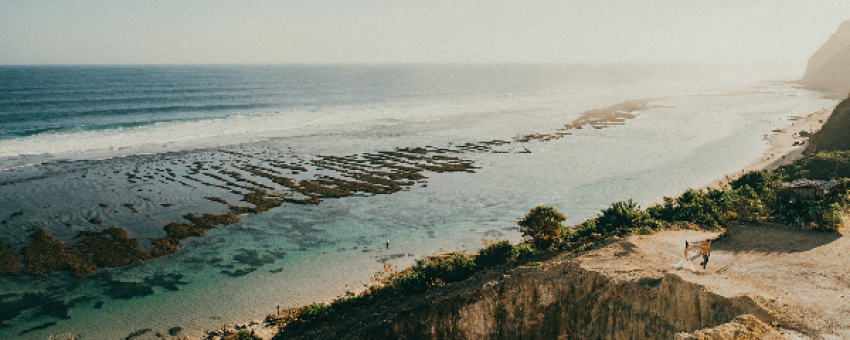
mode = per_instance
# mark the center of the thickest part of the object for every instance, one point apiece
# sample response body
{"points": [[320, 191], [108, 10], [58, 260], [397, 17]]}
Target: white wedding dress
{"points": [[685, 262]]}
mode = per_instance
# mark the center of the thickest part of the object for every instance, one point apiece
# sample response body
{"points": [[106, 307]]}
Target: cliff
{"points": [[628, 289], [833, 136], [828, 69]]}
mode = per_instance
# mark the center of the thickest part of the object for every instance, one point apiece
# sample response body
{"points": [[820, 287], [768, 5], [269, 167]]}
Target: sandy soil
{"points": [[800, 276]]}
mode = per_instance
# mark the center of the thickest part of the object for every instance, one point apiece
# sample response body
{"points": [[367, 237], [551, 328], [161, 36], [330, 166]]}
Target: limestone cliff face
{"points": [[566, 301], [829, 67], [622, 290]]}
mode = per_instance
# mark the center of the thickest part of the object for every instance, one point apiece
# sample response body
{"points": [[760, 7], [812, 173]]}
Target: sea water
{"points": [[78, 143]]}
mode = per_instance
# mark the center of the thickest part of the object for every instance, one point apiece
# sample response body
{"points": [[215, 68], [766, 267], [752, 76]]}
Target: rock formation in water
{"points": [[829, 67]]}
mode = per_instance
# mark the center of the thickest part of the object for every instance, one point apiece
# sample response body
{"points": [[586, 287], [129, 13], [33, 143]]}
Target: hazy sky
{"points": [[398, 31]]}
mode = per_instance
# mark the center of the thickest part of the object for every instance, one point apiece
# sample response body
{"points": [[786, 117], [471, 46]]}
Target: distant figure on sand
{"points": [[685, 259], [705, 251], [388, 244]]}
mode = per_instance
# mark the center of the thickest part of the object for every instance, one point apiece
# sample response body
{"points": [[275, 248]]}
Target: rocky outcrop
{"points": [[828, 69], [833, 135], [744, 327], [568, 302]]}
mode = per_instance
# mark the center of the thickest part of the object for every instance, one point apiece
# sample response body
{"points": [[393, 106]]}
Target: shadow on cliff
{"points": [[771, 238]]}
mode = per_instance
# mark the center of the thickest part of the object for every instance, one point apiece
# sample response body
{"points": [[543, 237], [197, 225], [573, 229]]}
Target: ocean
{"points": [[428, 157]]}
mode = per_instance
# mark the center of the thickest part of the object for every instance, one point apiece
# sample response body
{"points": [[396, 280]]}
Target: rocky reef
{"points": [[46, 254], [110, 248], [248, 181], [10, 264]]}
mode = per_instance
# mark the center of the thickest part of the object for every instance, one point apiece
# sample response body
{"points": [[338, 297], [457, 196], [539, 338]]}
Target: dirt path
{"points": [[802, 277]]}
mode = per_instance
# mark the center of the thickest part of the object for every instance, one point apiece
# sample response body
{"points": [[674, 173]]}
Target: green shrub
{"points": [[496, 253], [566, 235], [586, 228], [622, 217], [524, 251], [313, 311], [758, 180], [693, 206], [750, 206], [831, 217], [819, 166], [645, 230], [821, 216], [428, 272], [542, 225]]}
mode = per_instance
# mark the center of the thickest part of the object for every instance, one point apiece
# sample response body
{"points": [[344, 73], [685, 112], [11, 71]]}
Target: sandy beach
{"points": [[785, 142]]}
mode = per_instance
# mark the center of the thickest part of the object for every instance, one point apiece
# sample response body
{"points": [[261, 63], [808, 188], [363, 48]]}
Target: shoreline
{"points": [[255, 313], [782, 150]]}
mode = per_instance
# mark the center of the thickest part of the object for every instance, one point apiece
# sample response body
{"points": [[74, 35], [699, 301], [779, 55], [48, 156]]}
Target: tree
{"points": [[542, 225]]}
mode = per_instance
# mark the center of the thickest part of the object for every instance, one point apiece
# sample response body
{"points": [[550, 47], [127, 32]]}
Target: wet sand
{"points": [[786, 144]]}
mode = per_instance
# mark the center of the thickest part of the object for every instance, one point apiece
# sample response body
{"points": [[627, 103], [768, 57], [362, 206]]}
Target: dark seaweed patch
{"points": [[39, 327], [12, 308], [239, 272], [174, 331], [40, 304], [252, 258], [127, 290], [137, 333], [278, 254], [166, 281]]}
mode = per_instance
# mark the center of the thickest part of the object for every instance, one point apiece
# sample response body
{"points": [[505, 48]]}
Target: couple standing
{"points": [[705, 251]]}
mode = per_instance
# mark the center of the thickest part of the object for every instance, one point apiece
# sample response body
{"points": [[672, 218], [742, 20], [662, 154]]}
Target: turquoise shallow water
{"points": [[296, 254]]}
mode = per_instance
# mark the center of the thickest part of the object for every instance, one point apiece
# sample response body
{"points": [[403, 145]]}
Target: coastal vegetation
{"points": [[824, 165]]}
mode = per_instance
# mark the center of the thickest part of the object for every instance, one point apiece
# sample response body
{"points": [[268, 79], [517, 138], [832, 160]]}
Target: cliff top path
{"points": [[801, 277]]}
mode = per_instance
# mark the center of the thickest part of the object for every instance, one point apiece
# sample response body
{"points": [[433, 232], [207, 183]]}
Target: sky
{"points": [[423, 31]]}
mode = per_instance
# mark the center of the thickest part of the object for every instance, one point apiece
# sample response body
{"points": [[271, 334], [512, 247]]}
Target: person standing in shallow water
{"points": [[705, 251]]}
